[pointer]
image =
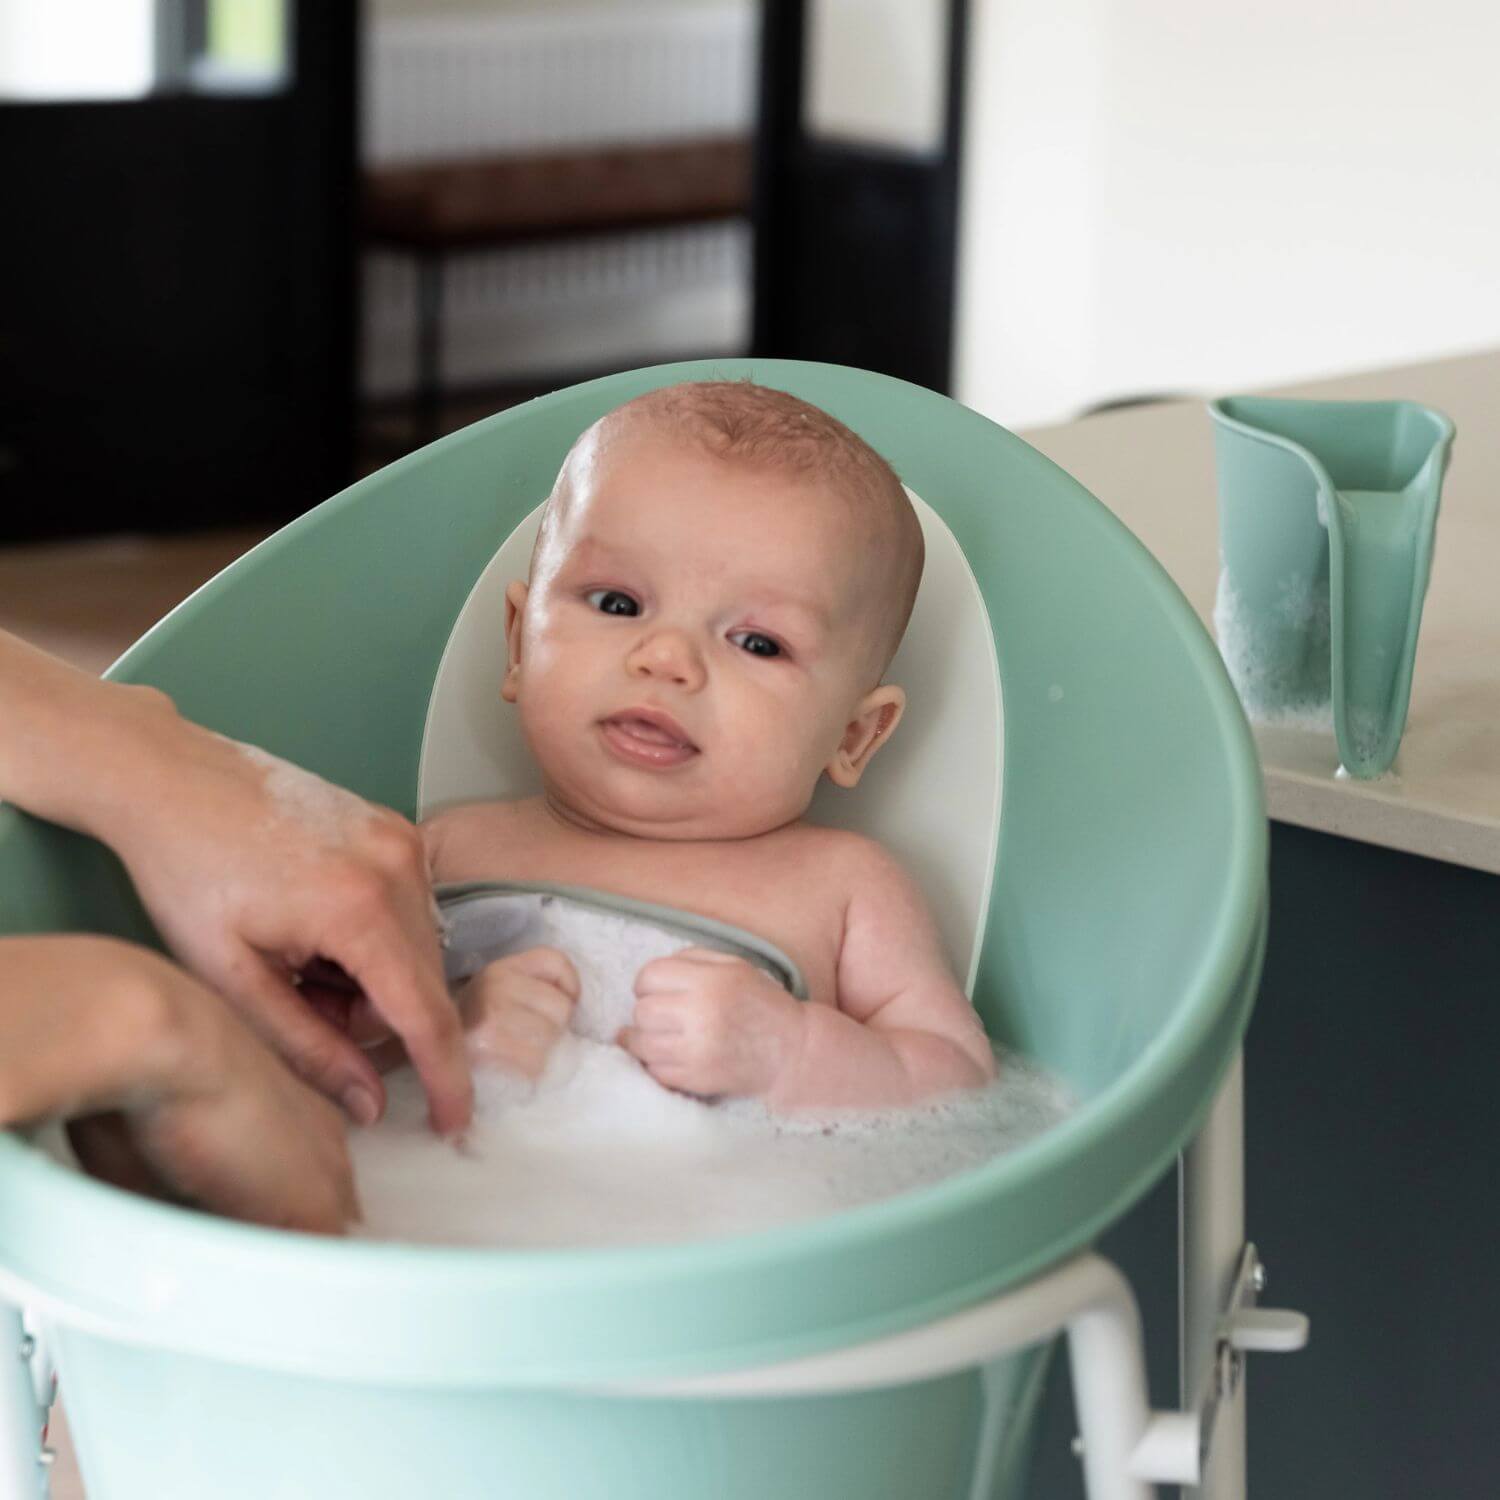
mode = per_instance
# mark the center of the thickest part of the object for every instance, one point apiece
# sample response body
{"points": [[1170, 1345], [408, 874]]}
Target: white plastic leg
{"points": [[1212, 1220], [23, 1471], [1109, 1388]]}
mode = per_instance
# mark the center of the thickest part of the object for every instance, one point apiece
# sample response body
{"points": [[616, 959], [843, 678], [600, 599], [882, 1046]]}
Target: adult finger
{"points": [[104, 1150], [401, 975], [315, 1049]]}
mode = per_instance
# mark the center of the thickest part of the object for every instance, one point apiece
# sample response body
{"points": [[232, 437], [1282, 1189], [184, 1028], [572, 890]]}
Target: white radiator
{"points": [[445, 87]]}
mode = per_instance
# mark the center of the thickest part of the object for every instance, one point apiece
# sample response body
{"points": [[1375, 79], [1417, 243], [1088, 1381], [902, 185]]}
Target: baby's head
{"points": [[722, 577]]}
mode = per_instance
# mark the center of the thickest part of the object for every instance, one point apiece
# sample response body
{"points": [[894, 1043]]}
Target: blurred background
{"points": [[254, 248]]}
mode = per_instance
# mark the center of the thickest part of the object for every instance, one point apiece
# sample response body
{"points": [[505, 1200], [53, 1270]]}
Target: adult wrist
{"points": [[125, 758], [158, 1043], [91, 1023]]}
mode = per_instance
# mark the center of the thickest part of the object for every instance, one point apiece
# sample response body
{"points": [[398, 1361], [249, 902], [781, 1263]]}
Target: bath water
{"points": [[598, 1153]]}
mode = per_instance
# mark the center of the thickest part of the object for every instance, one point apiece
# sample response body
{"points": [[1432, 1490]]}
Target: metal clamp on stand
{"points": [[1177, 1446], [28, 1387], [1243, 1328]]}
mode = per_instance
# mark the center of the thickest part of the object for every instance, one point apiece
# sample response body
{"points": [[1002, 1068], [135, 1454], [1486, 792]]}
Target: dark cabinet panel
{"points": [[855, 244], [177, 300]]}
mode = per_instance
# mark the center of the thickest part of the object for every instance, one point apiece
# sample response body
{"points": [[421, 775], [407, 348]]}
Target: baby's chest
{"points": [[778, 900], [772, 904]]}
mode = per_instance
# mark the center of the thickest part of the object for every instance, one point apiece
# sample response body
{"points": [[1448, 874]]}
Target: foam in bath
{"points": [[598, 1153]]}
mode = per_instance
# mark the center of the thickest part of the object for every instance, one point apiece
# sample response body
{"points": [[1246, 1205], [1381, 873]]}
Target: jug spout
{"points": [[1327, 517]]}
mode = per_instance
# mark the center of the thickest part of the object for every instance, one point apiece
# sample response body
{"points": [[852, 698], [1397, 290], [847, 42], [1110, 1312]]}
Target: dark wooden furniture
{"points": [[439, 209]]}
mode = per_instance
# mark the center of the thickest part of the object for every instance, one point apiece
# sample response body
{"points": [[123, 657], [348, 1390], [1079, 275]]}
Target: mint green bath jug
{"points": [[1327, 514], [1111, 927]]}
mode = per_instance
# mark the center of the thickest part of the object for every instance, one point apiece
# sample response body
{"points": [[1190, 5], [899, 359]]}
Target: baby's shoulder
{"points": [[852, 860], [455, 837]]}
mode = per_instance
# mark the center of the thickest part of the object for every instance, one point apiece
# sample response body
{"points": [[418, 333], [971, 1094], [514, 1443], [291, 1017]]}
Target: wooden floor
{"points": [[86, 601]]}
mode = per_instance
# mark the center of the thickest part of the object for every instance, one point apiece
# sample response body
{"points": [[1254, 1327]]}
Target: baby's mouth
{"points": [[648, 738]]}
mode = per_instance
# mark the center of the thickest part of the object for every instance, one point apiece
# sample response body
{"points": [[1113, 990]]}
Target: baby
{"points": [[722, 576]]}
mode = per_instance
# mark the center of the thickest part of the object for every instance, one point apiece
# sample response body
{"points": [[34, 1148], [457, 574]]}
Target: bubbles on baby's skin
{"points": [[597, 1153]]}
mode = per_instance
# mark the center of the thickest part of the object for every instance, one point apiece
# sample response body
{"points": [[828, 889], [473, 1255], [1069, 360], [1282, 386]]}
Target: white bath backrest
{"points": [[931, 796]]}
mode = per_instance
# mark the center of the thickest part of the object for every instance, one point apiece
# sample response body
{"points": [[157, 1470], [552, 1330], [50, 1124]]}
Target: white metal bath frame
{"points": [[1126, 1448]]}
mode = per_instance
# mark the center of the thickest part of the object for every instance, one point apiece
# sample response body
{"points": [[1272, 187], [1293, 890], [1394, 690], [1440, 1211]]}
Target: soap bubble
{"points": [[597, 1153]]}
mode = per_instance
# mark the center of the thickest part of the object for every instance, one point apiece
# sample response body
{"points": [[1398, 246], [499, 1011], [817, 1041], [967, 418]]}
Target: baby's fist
{"points": [[516, 1008], [707, 1023]]}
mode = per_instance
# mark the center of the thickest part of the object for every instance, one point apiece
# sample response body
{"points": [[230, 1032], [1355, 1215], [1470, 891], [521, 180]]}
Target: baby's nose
{"points": [[669, 655]]}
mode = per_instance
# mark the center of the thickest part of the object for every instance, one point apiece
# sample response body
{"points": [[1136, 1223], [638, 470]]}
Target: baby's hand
{"points": [[516, 1008], [708, 1023]]}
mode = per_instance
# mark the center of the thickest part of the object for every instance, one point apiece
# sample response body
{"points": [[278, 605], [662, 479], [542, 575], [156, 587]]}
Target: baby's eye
{"points": [[756, 643], [613, 602]]}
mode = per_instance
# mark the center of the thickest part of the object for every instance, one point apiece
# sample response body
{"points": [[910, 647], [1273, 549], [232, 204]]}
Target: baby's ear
{"points": [[515, 610], [875, 717]]}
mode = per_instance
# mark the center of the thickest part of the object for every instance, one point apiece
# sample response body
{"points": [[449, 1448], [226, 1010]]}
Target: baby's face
{"points": [[694, 642]]}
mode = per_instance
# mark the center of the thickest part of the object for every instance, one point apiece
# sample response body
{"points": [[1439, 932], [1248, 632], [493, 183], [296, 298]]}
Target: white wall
{"points": [[1169, 195]]}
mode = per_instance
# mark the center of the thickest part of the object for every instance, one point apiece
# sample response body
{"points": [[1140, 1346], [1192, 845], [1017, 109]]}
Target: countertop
{"points": [[1153, 467]]}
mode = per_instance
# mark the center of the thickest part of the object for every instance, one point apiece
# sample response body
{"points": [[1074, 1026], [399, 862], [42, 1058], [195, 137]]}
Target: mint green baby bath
{"points": [[1121, 949]]}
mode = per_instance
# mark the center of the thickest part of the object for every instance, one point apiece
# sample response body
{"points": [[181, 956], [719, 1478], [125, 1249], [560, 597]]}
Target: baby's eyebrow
{"points": [[814, 615], [588, 548], [590, 554], [593, 552]]}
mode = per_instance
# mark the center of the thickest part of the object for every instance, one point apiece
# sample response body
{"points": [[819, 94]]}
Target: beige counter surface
{"points": [[1153, 466]]}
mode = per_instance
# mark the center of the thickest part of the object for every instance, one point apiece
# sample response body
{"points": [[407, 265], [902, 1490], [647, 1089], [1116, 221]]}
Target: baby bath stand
{"points": [[1108, 919], [1126, 1449]]}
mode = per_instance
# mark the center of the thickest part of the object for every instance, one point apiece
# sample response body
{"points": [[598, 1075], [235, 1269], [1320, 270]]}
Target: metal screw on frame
{"points": [[1227, 1372]]}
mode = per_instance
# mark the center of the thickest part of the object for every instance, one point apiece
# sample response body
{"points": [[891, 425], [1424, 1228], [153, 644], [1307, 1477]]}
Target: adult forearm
{"points": [[71, 745], [247, 865], [164, 1089], [85, 1025]]}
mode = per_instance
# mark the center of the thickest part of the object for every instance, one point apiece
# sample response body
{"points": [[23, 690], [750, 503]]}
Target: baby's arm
{"points": [[517, 1008], [903, 1030]]}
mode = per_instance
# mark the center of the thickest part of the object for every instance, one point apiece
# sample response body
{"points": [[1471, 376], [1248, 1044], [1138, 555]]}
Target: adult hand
{"points": [[165, 1089], [251, 870]]}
